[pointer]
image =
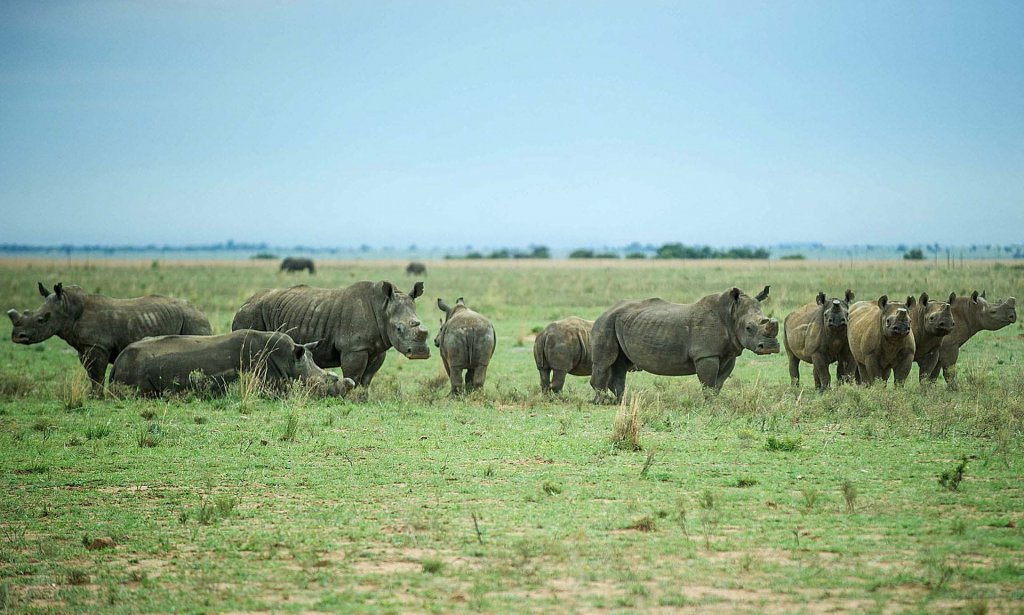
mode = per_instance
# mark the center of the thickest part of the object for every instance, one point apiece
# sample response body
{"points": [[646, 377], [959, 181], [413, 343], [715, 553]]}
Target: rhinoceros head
{"points": [[405, 331], [60, 310], [992, 316], [936, 315], [835, 313], [895, 316], [755, 331], [321, 381]]}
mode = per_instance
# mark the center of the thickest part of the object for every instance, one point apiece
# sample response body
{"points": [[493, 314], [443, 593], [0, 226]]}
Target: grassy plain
{"points": [[762, 499]]}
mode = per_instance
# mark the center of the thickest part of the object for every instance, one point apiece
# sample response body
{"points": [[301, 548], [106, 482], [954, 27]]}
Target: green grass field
{"points": [[762, 499]]}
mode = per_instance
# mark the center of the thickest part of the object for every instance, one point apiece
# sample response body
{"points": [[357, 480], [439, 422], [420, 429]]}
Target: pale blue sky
{"points": [[486, 123]]}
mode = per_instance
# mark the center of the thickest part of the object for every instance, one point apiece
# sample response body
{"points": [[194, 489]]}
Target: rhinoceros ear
{"points": [[13, 314], [952, 297], [301, 349], [761, 296], [417, 290], [820, 298], [441, 305], [974, 296], [735, 294], [58, 289], [982, 295], [883, 300], [460, 301], [849, 296], [42, 291], [924, 299], [910, 302]]}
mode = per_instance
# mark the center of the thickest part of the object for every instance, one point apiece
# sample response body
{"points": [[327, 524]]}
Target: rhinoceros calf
{"points": [[817, 334], [672, 339], [99, 327], [292, 264], [881, 339], [971, 315], [563, 347], [173, 362], [930, 320], [466, 342], [356, 325]]}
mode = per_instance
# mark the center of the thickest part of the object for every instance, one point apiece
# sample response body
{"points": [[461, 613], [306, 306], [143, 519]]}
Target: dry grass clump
{"points": [[627, 423]]}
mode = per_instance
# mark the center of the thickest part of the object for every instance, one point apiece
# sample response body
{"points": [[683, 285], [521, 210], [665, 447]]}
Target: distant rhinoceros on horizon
{"points": [[100, 327], [293, 264], [356, 325]]}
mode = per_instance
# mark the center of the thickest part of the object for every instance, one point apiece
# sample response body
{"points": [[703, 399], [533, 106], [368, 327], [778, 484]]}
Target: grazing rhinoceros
{"points": [[930, 320], [99, 327], [356, 325], [416, 268], [563, 347], [671, 339], [881, 339], [211, 362], [466, 342], [292, 264], [971, 315], [816, 333]]}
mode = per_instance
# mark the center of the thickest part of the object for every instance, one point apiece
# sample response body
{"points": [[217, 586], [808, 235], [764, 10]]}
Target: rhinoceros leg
{"points": [[724, 371], [949, 375], [947, 362], [353, 365], [475, 377], [94, 360], [822, 378], [372, 367], [557, 381], [545, 379], [455, 376], [794, 369], [707, 372]]}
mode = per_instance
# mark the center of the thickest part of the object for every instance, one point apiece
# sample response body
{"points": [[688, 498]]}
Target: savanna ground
{"points": [[762, 499]]}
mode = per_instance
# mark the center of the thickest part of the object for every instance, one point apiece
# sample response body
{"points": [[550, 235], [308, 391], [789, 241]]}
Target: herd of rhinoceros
{"points": [[159, 344]]}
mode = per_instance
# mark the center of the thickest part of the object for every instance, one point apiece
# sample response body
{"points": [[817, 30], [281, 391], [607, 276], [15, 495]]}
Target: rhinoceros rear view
{"points": [[563, 347], [355, 325]]}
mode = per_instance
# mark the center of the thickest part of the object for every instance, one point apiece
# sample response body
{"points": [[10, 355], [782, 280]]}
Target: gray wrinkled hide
{"points": [[171, 363], [816, 333], [292, 264], [931, 320], [970, 315], [355, 325], [563, 347], [99, 327], [466, 342], [672, 339], [881, 339]]}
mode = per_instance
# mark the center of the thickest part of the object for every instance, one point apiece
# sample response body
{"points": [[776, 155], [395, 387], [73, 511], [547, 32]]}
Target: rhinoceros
{"points": [[563, 347], [817, 334], [671, 339], [930, 320], [416, 268], [100, 327], [355, 325], [173, 362], [466, 343], [881, 339], [292, 264], [971, 315]]}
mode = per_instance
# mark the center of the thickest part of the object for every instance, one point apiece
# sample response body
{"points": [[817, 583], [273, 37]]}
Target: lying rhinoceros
{"points": [[99, 327], [672, 339], [183, 362], [355, 325], [466, 343]]}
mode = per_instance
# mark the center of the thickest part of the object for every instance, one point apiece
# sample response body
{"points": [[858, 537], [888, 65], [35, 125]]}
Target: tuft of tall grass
{"points": [[626, 426], [74, 389]]}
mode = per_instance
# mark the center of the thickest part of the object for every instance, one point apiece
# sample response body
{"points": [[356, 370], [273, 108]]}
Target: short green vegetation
{"points": [[400, 499]]}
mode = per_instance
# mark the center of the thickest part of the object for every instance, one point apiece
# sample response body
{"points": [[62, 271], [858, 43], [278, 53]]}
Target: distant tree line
{"points": [[533, 252], [678, 250]]}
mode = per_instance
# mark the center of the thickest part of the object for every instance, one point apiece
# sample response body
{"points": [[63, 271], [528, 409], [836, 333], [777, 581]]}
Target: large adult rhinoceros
{"points": [[672, 339], [355, 325], [172, 362], [99, 327]]}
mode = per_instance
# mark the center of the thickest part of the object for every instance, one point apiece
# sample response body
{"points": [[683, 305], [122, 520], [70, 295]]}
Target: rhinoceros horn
{"points": [[13, 314]]}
